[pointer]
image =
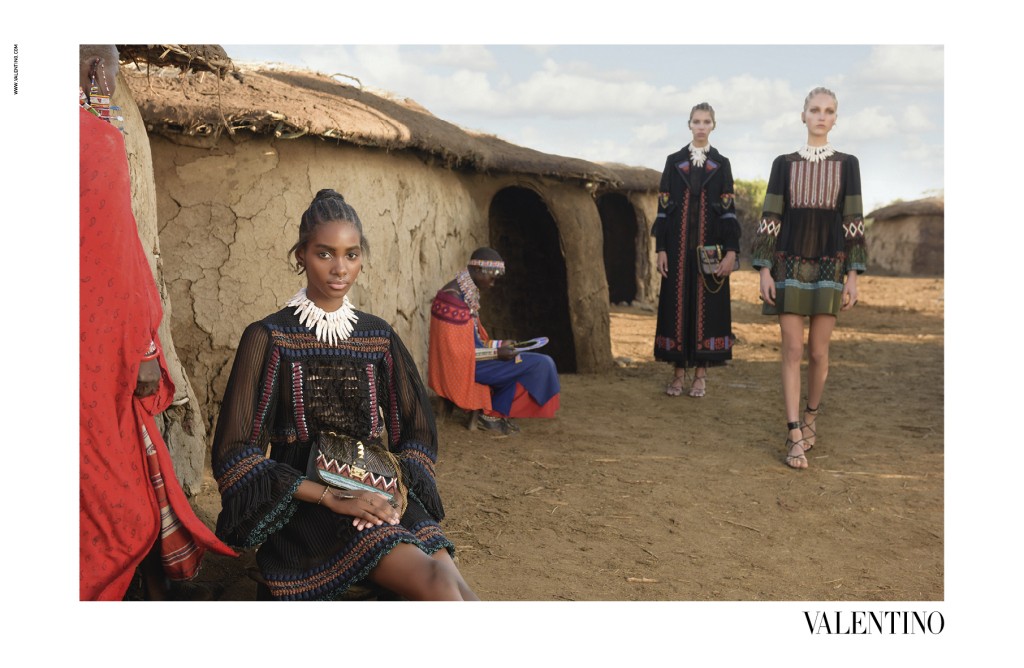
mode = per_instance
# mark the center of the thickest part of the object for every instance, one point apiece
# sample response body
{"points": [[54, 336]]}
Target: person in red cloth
{"points": [[131, 507], [480, 374]]}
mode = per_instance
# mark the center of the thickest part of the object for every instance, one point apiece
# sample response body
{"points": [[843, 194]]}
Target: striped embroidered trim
{"points": [[418, 458], [701, 288], [360, 344], [394, 428], [815, 185], [769, 226], [250, 464], [352, 565], [853, 229], [371, 380], [299, 402], [268, 389]]}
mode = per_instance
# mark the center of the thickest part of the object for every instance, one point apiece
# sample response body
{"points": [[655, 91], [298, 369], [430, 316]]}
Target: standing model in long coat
{"points": [[695, 208]]}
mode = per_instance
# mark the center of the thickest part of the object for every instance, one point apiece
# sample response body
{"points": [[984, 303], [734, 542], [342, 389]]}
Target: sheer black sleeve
{"points": [[853, 219], [660, 227], [256, 492], [726, 209], [411, 429], [763, 250]]}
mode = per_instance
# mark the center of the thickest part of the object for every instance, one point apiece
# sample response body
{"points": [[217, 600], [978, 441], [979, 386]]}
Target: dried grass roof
{"points": [[185, 57], [290, 104], [929, 206]]}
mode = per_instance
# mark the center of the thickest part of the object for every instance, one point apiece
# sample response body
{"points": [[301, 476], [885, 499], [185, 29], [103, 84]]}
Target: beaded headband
{"points": [[490, 266]]}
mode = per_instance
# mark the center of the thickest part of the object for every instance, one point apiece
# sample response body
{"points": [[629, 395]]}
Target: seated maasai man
{"points": [[475, 372]]}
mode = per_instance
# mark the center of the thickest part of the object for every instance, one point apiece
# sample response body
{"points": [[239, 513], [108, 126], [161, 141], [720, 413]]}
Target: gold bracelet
{"points": [[322, 495]]}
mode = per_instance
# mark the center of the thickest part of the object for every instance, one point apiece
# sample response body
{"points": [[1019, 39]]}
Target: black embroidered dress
{"points": [[811, 232], [285, 387], [695, 208]]}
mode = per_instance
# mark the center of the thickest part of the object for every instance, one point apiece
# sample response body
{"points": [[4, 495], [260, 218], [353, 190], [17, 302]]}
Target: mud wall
{"points": [[181, 425], [648, 281], [909, 245], [229, 212]]}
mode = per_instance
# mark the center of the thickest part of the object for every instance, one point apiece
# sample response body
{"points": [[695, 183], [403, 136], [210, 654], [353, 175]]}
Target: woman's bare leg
{"points": [[445, 560], [792, 327], [412, 574], [817, 366]]}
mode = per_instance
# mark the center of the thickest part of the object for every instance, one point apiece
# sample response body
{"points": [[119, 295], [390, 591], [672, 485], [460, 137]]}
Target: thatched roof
{"points": [[291, 104], [929, 206], [186, 57]]}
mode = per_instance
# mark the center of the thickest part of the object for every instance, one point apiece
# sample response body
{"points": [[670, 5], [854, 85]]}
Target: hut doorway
{"points": [[532, 299], [618, 221]]}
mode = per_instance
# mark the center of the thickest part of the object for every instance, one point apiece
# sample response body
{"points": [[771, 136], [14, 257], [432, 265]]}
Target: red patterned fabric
{"points": [[119, 512], [523, 406], [451, 365]]}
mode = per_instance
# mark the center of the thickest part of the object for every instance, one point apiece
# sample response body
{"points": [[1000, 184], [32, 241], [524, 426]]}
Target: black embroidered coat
{"points": [[695, 208]]}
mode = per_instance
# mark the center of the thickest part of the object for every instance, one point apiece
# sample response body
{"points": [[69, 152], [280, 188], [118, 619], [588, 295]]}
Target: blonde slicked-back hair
{"points": [[703, 106], [819, 91]]}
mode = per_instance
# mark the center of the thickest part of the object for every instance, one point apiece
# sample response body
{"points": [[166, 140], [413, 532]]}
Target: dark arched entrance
{"points": [[532, 299], [618, 221]]}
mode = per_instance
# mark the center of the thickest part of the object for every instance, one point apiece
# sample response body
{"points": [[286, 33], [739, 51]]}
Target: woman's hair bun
{"points": [[328, 193]]}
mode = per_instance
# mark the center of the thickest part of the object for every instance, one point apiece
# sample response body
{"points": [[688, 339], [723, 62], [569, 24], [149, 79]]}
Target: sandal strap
{"points": [[793, 425]]}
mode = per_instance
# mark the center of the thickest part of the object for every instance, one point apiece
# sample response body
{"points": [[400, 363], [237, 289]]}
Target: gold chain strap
{"points": [[706, 287]]}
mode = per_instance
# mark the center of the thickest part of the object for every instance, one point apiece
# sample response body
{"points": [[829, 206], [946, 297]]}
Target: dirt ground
{"points": [[631, 495]]}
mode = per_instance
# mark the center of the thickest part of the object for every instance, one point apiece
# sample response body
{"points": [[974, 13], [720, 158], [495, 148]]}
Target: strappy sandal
{"points": [[813, 438], [675, 388], [790, 444], [695, 391]]}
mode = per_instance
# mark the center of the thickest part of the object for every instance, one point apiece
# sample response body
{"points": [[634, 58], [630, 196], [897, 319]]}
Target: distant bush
{"points": [[749, 200]]}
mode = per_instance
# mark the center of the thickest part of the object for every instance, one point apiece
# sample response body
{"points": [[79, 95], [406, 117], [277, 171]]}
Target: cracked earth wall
{"points": [[181, 425], [228, 214]]}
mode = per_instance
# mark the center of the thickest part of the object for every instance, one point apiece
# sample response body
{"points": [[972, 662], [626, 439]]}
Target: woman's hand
{"points": [[149, 378], [663, 263], [506, 352], [849, 291], [767, 286], [727, 264], [367, 509]]}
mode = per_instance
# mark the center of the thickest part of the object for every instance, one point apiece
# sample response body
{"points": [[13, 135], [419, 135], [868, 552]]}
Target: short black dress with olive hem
{"points": [[811, 233]]}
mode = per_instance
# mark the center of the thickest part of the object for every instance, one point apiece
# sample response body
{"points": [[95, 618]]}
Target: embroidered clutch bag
{"points": [[347, 463], [710, 257]]}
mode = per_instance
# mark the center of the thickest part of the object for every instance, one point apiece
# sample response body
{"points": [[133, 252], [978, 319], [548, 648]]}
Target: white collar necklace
{"points": [[816, 153], [697, 154], [332, 327]]}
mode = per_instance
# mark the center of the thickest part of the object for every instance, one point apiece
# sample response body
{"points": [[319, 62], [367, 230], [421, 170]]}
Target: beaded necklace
{"points": [[331, 327], [816, 153], [698, 154], [470, 292]]}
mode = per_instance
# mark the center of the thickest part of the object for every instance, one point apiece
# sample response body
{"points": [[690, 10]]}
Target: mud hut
{"points": [[906, 238], [236, 159], [183, 426]]}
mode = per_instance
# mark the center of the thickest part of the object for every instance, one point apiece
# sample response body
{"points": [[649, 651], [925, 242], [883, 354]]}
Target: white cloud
{"points": [[917, 150], [866, 124], [462, 56], [650, 134], [902, 66], [915, 119]]}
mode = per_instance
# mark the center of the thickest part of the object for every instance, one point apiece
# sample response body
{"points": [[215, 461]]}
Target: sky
{"points": [[630, 103], [881, 109]]}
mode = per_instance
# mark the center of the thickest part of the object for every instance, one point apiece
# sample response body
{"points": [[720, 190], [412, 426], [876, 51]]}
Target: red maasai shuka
{"points": [[451, 362], [127, 499]]}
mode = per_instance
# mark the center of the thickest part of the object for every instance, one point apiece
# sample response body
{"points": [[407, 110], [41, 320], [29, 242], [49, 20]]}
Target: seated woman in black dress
{"points": [[320, 369]]}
